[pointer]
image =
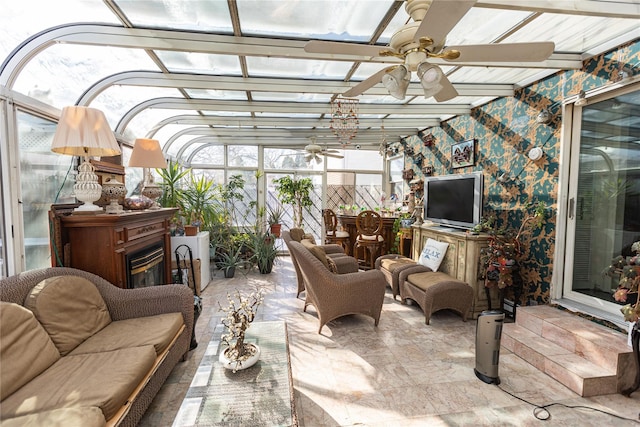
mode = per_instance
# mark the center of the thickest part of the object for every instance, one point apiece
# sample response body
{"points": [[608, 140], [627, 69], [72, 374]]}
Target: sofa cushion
{"points": [[70, 308], [316, 250], [105, 380], [25, 348], [433, 253], [157, 331], [63, 417]]}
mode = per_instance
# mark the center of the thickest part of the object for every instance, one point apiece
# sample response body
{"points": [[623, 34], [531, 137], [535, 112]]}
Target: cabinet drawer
{"points": [[134, 232]]}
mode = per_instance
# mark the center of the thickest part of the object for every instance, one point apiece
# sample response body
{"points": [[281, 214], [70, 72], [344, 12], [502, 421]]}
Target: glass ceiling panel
{"points": [[482, 25], [379, 99], [19, 19], [217, 94], [142, 123], [300, 68], [328, 19], [574, 33], [200, 63], [299, 115], [63, 72], [177, 145], [210, 16], [226, 113], [293, 97], [366, 69], [168, 131], [495, 74], [115, 101], [457, 100]]}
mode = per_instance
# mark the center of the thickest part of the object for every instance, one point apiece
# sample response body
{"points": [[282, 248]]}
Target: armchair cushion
{"points": [[70, 308]]}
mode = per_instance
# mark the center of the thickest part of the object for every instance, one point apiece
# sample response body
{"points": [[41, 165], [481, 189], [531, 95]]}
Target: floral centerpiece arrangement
{"points": [[628, 270], [240, 313]]}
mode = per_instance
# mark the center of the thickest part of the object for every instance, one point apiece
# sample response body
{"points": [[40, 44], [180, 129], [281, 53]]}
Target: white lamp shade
{"points": [[84, 131], [430, 76], [397, 81], [147, 154]]}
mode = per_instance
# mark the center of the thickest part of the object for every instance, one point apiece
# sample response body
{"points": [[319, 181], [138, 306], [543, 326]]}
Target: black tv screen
{"points": [[454, 200]]}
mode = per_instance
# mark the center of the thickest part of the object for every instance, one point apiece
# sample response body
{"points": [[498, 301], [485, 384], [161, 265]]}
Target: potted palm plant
{"points": [[275, 220], [229, 260], [195, 201]]}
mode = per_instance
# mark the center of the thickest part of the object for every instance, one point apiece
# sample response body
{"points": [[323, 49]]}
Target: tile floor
{"points": [[402, 373]]}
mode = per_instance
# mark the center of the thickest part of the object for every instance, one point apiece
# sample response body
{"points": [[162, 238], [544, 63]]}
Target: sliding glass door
{"points": [[604, 200]]}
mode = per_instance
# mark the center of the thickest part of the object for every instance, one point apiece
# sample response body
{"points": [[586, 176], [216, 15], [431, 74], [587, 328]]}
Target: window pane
{"points": [[242, 156], [357, 160], [44, 179]]}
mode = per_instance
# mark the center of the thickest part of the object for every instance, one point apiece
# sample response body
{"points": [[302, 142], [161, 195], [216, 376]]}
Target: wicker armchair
{"points": [[336, 295], [345, 263]]}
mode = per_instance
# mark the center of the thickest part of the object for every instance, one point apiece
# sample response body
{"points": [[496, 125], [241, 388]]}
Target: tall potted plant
{"points": [[196, 200], [295, 192]]}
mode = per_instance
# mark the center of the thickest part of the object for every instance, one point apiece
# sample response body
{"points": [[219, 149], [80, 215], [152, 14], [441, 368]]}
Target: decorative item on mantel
{"points": [[147, 154], [239, 315], [113, 190], [84, 131]]}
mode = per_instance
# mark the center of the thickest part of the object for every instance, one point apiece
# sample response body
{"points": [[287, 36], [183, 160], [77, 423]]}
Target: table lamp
{"points": [[147, 154], [84, 131]]}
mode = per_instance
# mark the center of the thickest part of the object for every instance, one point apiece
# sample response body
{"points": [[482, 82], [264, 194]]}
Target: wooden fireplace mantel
{"points": [[100, 243]]}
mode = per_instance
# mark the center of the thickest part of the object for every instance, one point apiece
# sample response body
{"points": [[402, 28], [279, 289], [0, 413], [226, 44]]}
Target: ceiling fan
{"points": [[425, 38], [314, 151]]}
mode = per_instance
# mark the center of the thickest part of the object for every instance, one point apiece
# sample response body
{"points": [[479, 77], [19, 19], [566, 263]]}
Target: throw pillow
{"points": [[317, 251], [333, 267], [70, 308], [309, 236], [433, 253], [296, 234]]}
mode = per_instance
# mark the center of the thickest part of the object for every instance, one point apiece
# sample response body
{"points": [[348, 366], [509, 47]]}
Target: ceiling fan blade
{"points": [[447, 92], [441, 17], [335, 156], [365, 84], [338, 48], [504, 52]]}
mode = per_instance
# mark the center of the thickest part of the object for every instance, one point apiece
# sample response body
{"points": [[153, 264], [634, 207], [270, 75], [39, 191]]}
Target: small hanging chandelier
{"points": [[344, 119]]}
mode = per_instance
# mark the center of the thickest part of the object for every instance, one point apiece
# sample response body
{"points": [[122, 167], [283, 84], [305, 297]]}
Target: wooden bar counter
{"points": [[349, 224]]}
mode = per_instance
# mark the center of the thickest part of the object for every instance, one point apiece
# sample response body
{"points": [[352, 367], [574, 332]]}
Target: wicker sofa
{"points": [[330, 253], [335, 295], [78, 351]]}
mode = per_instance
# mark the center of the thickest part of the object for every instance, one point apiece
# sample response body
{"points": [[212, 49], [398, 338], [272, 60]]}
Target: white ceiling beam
{"points": [[286, 107], [185, 41], [196, 120], [608, 8], [199, 81]]}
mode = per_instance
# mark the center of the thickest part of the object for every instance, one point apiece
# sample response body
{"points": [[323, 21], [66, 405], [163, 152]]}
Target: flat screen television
{"points": [[454, 200]]}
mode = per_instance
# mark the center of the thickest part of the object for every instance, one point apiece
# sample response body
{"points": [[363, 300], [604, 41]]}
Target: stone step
{"points": [[588, 358], [596, 343], [578, 374]]}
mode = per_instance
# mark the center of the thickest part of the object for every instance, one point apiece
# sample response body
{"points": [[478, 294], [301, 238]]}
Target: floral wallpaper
{"points": [[505, 130]]}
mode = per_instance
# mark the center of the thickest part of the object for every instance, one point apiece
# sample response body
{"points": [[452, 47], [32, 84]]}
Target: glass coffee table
{"points": [[261, 395]]}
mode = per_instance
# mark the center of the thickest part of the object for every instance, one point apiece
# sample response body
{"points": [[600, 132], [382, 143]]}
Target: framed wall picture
{"points": [[463, 154]]}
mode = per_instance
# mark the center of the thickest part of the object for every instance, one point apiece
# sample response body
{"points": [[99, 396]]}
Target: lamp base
{"points": [[153, 191], [114, 207], [88, 207], [86, 188]]}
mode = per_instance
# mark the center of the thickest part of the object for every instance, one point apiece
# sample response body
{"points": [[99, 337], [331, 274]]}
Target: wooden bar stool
{"points": [[369, 238], [333, 235]]}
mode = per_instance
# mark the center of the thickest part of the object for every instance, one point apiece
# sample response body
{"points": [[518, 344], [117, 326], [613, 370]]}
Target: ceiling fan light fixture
{"points": [[430, 76], [396, 81]]}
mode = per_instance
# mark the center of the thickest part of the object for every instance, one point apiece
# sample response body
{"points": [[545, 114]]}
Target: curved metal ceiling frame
{"points": [[208, 120], [263, 84], [284, 107]]}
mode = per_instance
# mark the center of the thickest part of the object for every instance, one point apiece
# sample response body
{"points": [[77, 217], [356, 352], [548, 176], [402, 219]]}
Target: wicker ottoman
{"points": [[391, 265], [435, 291]]}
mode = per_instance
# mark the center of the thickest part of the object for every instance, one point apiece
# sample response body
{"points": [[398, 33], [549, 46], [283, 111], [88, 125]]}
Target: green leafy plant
{"points": [[295, 192], [196, 199], [276, 215], [229, 260]]}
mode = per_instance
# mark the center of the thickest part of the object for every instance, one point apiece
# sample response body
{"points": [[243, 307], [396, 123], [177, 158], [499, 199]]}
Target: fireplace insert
{"points": [[146, 267]]}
